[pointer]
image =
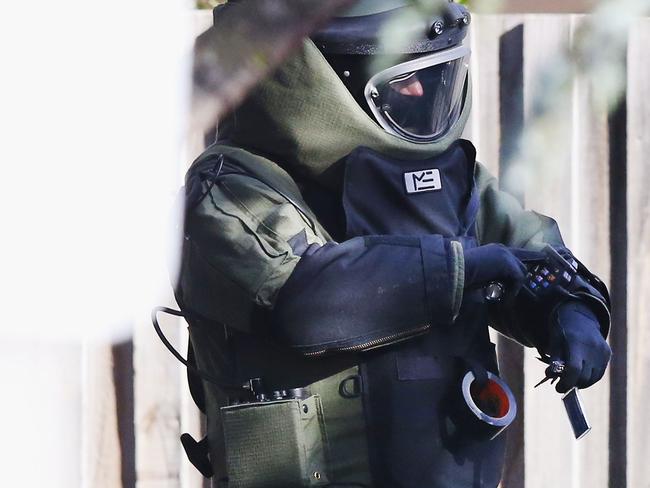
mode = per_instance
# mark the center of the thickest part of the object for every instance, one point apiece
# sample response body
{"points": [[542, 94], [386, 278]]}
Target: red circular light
{"points": [[491, 399]]}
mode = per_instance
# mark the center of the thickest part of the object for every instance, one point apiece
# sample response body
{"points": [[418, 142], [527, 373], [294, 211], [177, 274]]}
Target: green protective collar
{"points": [[304, 118]]}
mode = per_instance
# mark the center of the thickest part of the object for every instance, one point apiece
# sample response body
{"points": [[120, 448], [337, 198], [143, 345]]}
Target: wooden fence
{"points": [[596, 186]]}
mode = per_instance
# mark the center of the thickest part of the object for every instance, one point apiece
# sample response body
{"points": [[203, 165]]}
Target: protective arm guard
{"points": [[368, 292], [502, 219]]}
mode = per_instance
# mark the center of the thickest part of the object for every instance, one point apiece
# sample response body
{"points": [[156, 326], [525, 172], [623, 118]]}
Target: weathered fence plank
{"points": [[589, 240], [569, 181], [157, 408], [101, 465], [486, 132], [638, 256], [547, 161], [511, 121], [191, 422], [617, 122]]}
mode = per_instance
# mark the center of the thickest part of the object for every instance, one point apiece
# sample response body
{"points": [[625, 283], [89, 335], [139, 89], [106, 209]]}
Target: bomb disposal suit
{"points": [[338, 240]]}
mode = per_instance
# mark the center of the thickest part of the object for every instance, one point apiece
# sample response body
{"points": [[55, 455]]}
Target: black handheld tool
{"points": [[572, 400]]}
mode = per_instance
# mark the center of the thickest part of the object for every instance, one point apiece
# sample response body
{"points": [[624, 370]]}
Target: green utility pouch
{"points": [[275, 444]]}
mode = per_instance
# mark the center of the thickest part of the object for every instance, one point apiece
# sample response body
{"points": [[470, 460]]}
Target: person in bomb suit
{"points": [[338, 237]]}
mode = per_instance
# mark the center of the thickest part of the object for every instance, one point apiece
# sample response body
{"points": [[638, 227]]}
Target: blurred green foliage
{"points": [[205, 4]]}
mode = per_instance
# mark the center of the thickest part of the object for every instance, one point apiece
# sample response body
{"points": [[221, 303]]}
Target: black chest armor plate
{"points": [[407, 386]]}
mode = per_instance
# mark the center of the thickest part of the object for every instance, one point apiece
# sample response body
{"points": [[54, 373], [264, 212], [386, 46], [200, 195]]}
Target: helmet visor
{"points": [[420, 100]]}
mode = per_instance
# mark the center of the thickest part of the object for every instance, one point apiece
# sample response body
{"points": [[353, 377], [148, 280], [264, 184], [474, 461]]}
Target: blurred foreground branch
{"points": [[251, 39]]}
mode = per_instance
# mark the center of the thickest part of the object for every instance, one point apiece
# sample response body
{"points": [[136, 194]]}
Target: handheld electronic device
{"points": [[555, 270], [543, 277]]}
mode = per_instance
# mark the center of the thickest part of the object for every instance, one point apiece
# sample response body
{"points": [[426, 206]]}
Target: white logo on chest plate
{"points": [[423, 180]]}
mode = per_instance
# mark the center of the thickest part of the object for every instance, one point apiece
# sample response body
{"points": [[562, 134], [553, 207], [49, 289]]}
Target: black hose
{"points": [[220, 382]]}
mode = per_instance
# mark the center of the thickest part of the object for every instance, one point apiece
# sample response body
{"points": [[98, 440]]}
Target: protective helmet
{"points": [[403, 61]]}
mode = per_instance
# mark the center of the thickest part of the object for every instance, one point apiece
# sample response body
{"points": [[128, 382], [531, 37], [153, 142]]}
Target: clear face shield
{"points": [[421, 99]]}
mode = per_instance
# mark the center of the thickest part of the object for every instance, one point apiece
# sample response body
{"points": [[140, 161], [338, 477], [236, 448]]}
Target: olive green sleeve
{"points": [[501, 218], [245, 228], [247, 231]]}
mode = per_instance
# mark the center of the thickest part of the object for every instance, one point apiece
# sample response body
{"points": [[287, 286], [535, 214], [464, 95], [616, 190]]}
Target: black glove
{"points": [[576, 339], [496, 262]]}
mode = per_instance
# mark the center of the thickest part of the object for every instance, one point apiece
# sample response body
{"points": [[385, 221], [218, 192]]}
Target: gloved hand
{"points": [[576, 339], [496, 262]]}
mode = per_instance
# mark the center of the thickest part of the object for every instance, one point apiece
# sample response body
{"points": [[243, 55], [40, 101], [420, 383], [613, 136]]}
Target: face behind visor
{"points": [[420, 100], [419, 93]]}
